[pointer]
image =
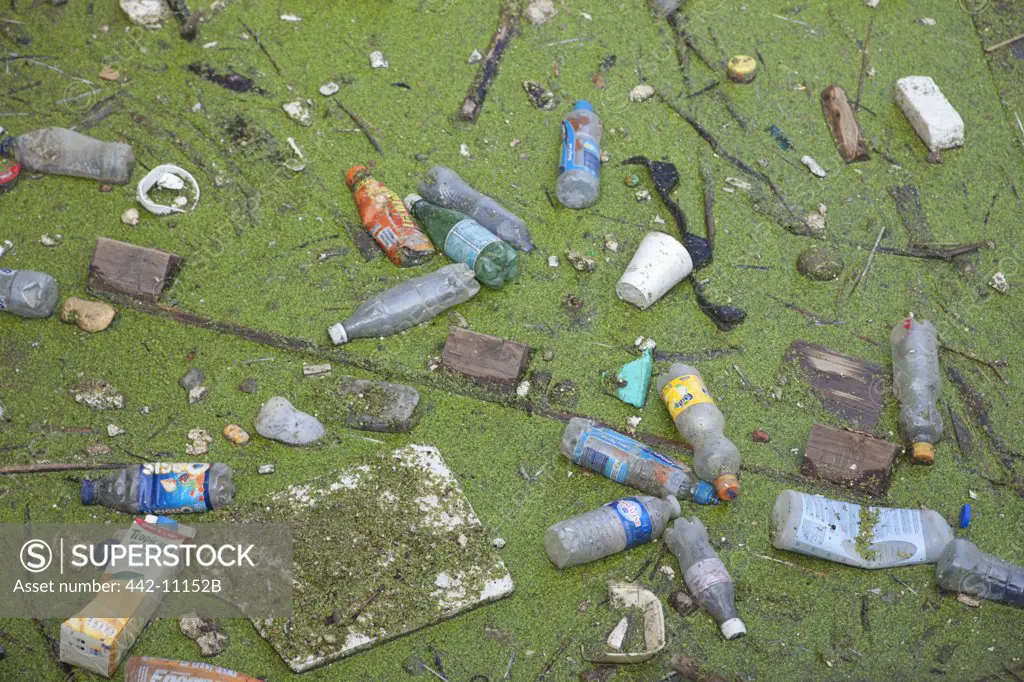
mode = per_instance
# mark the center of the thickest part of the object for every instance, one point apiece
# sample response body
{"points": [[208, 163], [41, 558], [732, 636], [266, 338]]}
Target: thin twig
{"points": [[863, 64], [508, 669], [904, 584], [56, 466], [263, 48], [709, 201], [867, 266], [791, 565], [981, 361], [1003, 43], [363, 125], [934, 254]]}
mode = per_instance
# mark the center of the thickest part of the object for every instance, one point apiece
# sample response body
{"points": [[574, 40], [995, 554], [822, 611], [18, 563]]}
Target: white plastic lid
{"points": [[338, 334], [733, 628]]}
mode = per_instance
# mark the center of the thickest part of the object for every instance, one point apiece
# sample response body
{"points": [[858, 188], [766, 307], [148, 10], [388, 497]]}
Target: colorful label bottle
{"points": [[387, 220]]}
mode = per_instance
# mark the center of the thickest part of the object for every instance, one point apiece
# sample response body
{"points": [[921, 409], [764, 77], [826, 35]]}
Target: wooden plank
{"points": [[849, 387], [136, 271], [484, 358], [849, 458], [839, 115]]}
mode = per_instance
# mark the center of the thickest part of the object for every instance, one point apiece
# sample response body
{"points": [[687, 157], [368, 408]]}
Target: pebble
{"points": [[760, 436], [820, 263], [97, 395], [146, 13], [643, 195], [377, 60], [475, 57], [553, 261], [297, 111], [999, 283], [523, 389], [581, 262], [113, 430], [200, 442], [212, 640], [631, 180], [197, 394], [131, 217], [611, 243], [540, 97], [193, 377], [378, 405], [248, 386], [90, 316], [265, 469], [668, 571], [641, 93], [816, 221], [464, 150], [328, 89], [498, 543], [549, 355], [540, 11], [279, 420], [236, 434], [47, 240]]}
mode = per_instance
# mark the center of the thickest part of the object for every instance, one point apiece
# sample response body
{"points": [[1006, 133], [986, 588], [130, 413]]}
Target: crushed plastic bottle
{"points": [[917, 384], [627, 461], [966, 569], [412, 302], [833, 530], [702, 425], [705, 575], [27, 293], [467, 241], [387, 220], [146, 669], [163, 488], [60, 151], [609, 529], [443, 187], [579, 171]]}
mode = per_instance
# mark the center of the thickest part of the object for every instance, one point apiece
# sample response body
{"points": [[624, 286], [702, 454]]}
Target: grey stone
{"points": [[193, 377], [247, 386], [212, 640], [378, 405], [820, 263], [197, 394], [279, 420]]}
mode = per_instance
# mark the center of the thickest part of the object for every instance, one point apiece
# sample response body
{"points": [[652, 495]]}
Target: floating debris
{"points": [[541, 97], [813, 166], [641, 93], [377, 60]]}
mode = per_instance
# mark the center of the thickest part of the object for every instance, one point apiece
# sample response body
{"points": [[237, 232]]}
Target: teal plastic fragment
{"points": [[637, 378]]}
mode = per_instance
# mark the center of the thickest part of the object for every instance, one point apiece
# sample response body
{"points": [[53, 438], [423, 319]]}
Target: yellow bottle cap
{"points": [[742, 68], [922, 453]]}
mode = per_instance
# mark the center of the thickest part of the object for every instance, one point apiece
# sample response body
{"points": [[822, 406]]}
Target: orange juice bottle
{"points": [[387, 220]]}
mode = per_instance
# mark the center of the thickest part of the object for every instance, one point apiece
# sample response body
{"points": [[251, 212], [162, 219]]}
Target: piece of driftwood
{"points": [[849, 458], [850, 388], [485, 358], [508, 27], [136, 271], [839, 115], [56, 466]]}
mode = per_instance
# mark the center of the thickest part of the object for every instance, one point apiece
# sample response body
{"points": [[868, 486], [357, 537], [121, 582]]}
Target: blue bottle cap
{"points": [[583, 104], [965, 515], [88, 491], [704, 493]]}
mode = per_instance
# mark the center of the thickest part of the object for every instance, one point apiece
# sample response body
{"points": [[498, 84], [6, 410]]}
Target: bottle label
{"points": [[704, 574], [174, 488], [636, 520], [466, 240], [831, 529], [685, 392], [608, 453], [388, 221], [579, 152]]}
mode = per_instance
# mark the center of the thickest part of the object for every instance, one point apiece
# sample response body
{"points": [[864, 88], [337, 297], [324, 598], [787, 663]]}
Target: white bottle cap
{"points": [[338, 334], [733, 628]]}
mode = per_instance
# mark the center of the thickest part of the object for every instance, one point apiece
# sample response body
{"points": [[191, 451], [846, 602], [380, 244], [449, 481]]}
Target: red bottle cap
{"points": [[9, 178]]}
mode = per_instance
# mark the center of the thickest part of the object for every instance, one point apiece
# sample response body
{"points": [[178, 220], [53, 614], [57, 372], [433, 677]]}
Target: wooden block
{"points": [[839, 115], [136, 271], [849, 387], [484, 358], [849, 458]]}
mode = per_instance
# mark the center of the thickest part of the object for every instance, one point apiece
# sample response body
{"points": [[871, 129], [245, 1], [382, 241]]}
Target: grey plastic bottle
{"points": [[705, 575], [609, 529], [630, 462], [443, 187], [412, 302], [702, 425], [579, 170], [60, 151], [163, 488], [965, 568], [27, 293], [917, 384]]}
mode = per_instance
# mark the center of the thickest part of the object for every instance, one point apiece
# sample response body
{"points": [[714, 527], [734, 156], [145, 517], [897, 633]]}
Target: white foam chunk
{"points": [[931, 114]]}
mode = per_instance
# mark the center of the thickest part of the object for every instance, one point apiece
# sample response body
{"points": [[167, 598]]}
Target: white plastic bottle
{"points": [[579, 172], [27, 293], [965, 568], [60, 151], [608, 530], [865, 537], [702, 425], [917, 384]]}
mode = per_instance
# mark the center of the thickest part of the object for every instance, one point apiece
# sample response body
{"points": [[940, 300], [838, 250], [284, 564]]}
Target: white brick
{"points": [[931, 114]]}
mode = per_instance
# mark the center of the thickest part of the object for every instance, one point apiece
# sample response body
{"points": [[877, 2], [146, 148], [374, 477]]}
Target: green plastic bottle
{"points": [[465, 240]]}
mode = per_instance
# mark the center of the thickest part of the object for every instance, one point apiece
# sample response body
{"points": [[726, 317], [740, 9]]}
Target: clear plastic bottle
{"points": [[60, 151], [27, 293], [465, 240], [609, 529], [443, 187], [627, 461], [705, 575], [164, 488], [412, 302], [579, 171], [702, 425], [832, 530], [917, 384], [965, 568]]}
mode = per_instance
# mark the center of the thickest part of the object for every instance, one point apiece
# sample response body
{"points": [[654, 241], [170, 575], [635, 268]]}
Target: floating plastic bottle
{"points": [[627, 461], [917, 384], [146, 669], [387, 220], [966, 569], [702, 425], [60, 151], [609, 529], [705, 575], [865, 537], [412, 302], [467, 241], [443, 187], [27, 293], [579, 171], [163, 488]]}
